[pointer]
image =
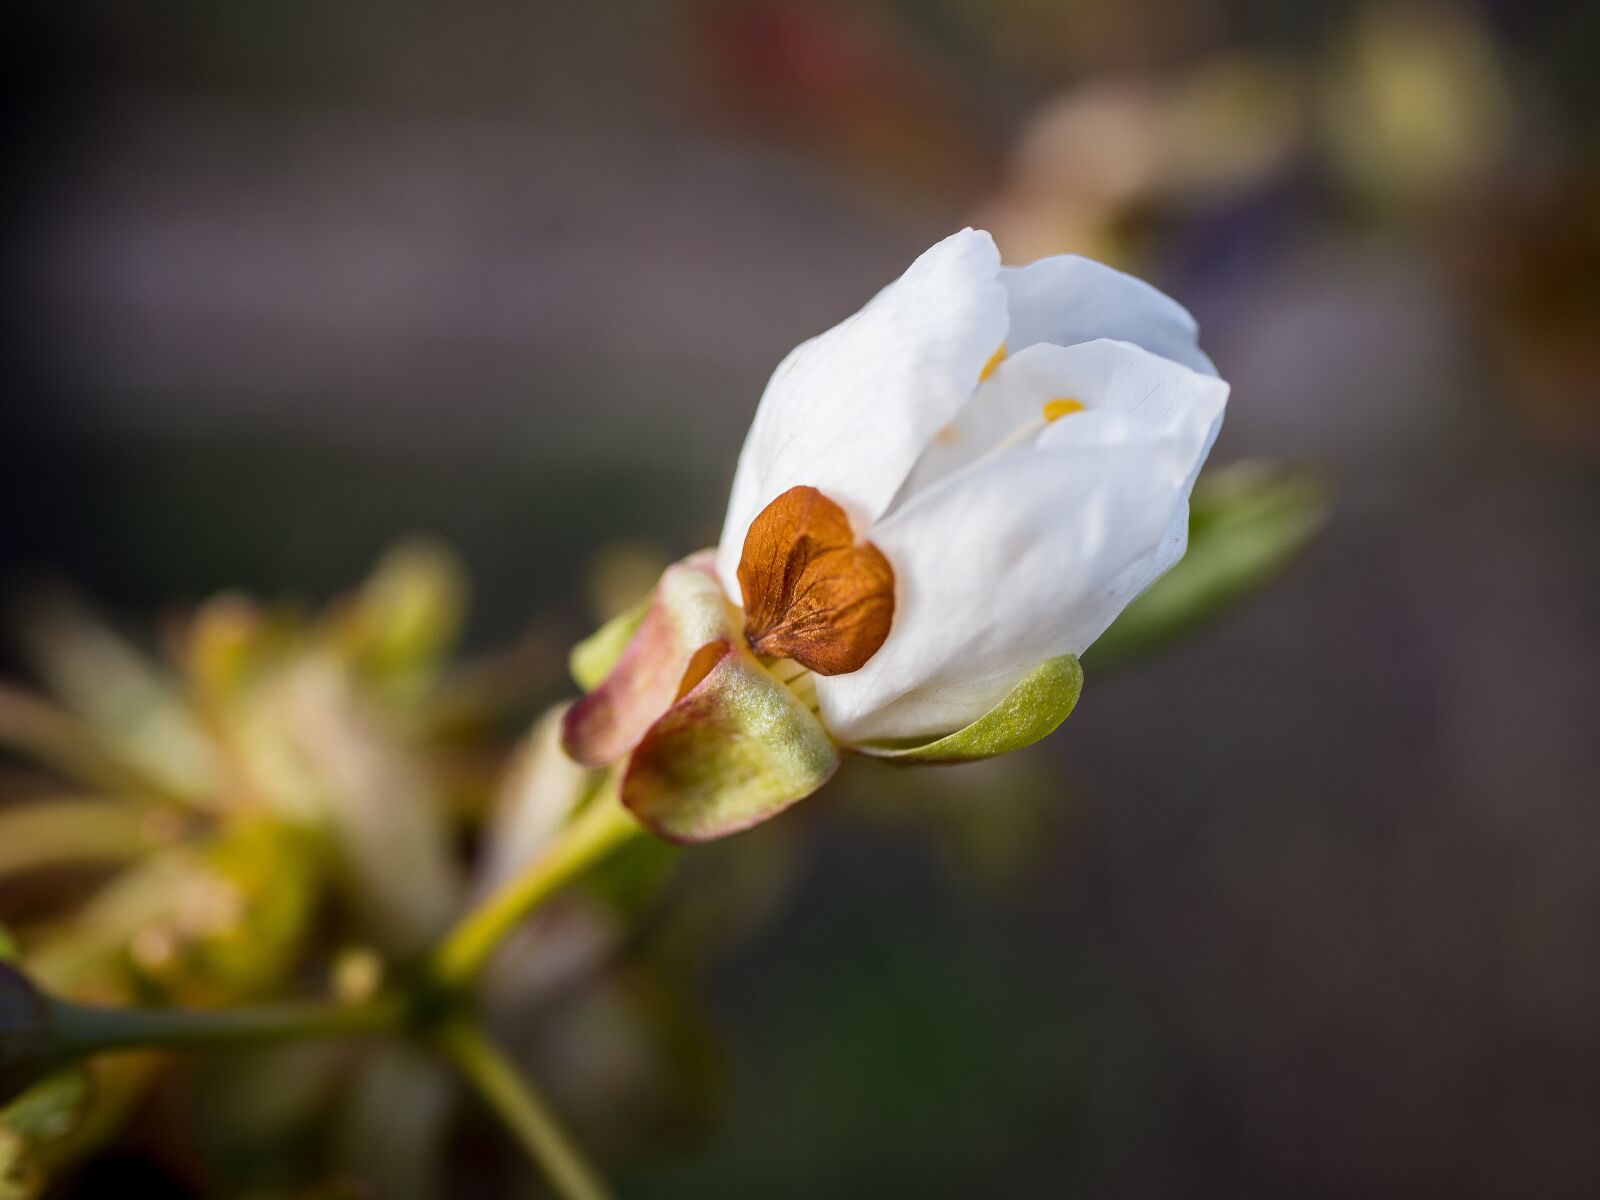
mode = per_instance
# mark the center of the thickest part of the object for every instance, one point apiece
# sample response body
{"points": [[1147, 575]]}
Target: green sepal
{"points": [[591, 660], [736, 749], [1029, 711]]}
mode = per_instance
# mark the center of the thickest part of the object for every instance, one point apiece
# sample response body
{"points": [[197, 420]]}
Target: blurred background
{"points": [[1308, 905]]}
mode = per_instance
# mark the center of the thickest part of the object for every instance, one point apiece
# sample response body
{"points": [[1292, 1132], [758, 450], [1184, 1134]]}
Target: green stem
{"points": [[524, 1112], [596, 831], [83, 1030]]}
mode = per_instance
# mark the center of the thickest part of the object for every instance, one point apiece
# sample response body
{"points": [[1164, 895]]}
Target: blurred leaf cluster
{"points": [[277, 805]]}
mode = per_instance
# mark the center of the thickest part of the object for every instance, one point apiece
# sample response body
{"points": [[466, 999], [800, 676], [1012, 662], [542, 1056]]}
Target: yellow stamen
{"points": [[995, 359], [1054, 410]]}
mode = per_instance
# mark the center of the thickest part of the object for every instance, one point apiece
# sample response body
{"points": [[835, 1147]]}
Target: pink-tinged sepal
{"points": [[687, 612], [737, 748]]}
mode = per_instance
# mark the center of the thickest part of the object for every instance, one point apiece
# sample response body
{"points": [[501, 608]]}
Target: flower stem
{"points": [[83, 1030], [595, 832], [524, 1112]]}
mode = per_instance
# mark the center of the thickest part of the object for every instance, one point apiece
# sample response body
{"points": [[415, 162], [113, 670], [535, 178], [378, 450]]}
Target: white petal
{"points": [[849, 411], [1021, 558], [1101, 375], [1068, 299]]}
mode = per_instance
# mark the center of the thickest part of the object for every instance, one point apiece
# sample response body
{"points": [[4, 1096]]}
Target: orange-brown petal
{"points": [[811, 591]]}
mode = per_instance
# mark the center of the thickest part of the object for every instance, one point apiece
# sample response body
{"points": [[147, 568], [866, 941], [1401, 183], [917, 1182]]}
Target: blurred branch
{"points": [[524, 1111], [86, 1030], [601, 827]]}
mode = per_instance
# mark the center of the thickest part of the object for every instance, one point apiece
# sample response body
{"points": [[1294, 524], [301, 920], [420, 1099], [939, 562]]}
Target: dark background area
{"points": [[1308, 906]]}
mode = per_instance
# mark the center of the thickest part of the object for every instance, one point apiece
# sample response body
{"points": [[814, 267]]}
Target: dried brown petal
{"points": [[811, 592]]}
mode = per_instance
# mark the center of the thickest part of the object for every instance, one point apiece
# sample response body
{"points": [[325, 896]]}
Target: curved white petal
{"points": [[1023, 557], [1007, 409], [849, 411], [1068, 299]]}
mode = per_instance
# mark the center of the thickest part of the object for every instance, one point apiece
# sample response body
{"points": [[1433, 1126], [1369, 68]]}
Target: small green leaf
{"points": [[1246, 524], [738, 748], [1032, 709], [133, 703], [41, 1116], [591, 660], [230, 913], [402, 623], [38, 730]]}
